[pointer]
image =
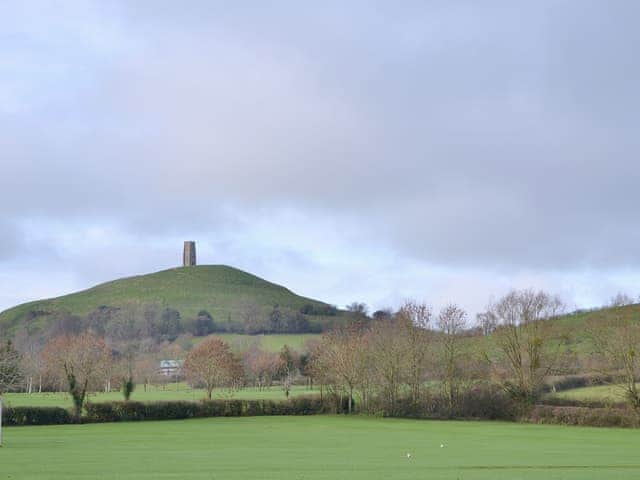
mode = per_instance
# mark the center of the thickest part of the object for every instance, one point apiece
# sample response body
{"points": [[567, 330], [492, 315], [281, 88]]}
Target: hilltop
{"points": [[230, 295]]}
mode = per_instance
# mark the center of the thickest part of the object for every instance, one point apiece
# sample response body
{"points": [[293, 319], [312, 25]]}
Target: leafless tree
{"points": [[213, 365], [621, 299], [343, 353], [452, 320], [487, 322], [528, 350], [617, 340], [390, 366], [413, 320], [80, 361]]}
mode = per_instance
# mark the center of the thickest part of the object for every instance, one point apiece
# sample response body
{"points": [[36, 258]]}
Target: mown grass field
{"points": [[154, 393], [318, 448]]}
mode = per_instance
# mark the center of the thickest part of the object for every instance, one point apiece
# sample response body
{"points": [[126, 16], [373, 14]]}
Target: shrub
{"points": [[173, 410], [594, 417], [17, 416], [482, 401], [137, 411]]}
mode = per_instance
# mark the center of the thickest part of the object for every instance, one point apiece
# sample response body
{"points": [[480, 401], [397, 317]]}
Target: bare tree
{"points": [[621, 299], [261, 366], [343, 352], [527, 348], [413, 320], [390, 365], [452, 320], [212, 364], [617, 339], [252, 315], [487, 322], [80, 361]]}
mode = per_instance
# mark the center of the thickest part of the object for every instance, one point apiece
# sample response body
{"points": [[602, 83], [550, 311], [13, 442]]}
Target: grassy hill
{"points": [[221, 290]]}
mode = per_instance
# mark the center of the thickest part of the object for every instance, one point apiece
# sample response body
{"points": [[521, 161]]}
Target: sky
{"points": [[443, 151]]}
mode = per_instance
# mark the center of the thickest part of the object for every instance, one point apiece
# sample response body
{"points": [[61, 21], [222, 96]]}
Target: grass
{"points": [[272, 342], [318, 448], [613, 393], [219, 289], [154, 393]]}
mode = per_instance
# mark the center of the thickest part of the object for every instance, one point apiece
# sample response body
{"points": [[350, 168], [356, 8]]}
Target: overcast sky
{"points": [[370, 151]]}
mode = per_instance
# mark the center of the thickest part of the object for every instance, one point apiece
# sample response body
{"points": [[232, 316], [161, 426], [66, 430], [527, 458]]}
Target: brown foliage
{"points": [[78, 361], [212, 364]]}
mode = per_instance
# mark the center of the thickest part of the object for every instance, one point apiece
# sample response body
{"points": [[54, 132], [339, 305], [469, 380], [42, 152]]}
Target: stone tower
{"points": [[189, 254]]}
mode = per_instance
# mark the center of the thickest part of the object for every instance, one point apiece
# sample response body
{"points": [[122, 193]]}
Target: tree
{"points": [[146, 370], [452, 320], [383, 314], [126, 369], [203, 324], [487, 322], [80, 362], [413, 320], [10, 375], [621, 299], [261, 366], [390, 363], [169, 325], [253, 318], [617, 339], [287, 368], [212, 364], [344, 355], [527, 348], [358, 310]]}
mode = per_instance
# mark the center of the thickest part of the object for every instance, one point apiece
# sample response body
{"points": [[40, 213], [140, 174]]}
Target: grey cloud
{"points": [[493, 135]]}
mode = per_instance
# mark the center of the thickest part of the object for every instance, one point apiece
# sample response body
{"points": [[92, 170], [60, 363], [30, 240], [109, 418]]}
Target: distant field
{"points": [[272, 342], [599, 392], [171, 392], [318, 448]]}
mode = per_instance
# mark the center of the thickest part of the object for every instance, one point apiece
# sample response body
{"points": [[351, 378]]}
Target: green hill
{"points": [[225, 292]]}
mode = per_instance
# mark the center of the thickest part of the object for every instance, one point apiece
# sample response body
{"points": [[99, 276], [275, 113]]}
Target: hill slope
{"points": [[221, 290]]}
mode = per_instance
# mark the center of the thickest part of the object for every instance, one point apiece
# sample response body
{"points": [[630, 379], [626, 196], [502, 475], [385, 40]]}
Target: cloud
{"points": [[324, 144]]}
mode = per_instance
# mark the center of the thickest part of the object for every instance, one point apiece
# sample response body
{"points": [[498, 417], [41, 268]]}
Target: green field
{"points": [[612, 393], [320, 447], [272, 342], [170, 392]]}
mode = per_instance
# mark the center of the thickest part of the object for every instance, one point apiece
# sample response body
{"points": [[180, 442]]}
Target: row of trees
{"points": [[166, 324], [399, 357]]}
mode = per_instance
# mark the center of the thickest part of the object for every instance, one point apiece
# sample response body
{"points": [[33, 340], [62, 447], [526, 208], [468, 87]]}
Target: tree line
{"points": [[391, 362]]}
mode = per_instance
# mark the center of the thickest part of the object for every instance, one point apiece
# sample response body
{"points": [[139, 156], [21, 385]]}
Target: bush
{"points": [[17, 416], [173, 410], [594, 417], [482, 401], [137, 411]]}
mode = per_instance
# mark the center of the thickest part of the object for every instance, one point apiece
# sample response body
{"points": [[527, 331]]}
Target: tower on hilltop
{"points": [[189, 254]]}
